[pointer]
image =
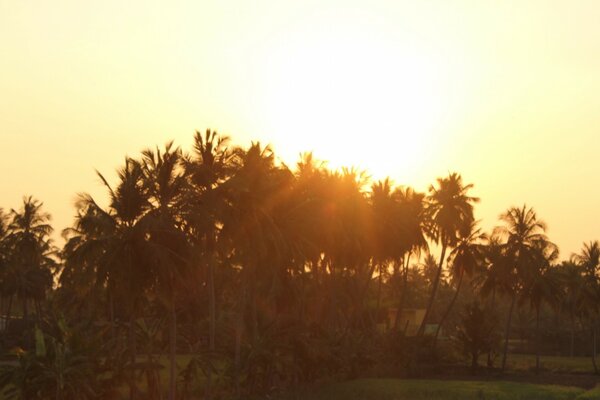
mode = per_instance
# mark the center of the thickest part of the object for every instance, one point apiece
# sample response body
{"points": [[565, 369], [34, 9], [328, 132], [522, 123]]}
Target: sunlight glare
{"points": [[355, 100]]}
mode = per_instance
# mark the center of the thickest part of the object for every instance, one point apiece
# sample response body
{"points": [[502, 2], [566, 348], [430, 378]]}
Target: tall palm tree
{"points": [[522, 230], [386, 228], [252, 229], [465, 258], [496, 277], [209, 165], [449, 210], [541, 285], [589, 260], [411, 240], [165, 184], [111, 246]]}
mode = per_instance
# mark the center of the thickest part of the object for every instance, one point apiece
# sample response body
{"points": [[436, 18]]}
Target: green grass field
{"points": [[526, 362], [396, 389]]}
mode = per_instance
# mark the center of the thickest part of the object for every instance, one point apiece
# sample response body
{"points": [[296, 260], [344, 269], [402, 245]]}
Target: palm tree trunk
{"points": [[238, 342], [358, 310], [537, 339], [38, 310], [133, 355], [572, 347], [25, 310], [507, 331], [594, 350], [254, 314], [172, 348], [492, 309], [377, 309], [211, 320], [436, 283], [403, 294], [10, 300], [449, 309], [332, 292], [111, 313]]}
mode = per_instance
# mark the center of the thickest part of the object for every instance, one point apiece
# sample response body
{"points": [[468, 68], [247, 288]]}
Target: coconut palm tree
{"points": [[386, 227], [30, 260], [465, 258], [3, 257], [111, 246], [589, 258], [252, 228], [522, 230], [165, 183], [449, 209], [541, 286], [207, 167], [411, 240], [496, 277]]}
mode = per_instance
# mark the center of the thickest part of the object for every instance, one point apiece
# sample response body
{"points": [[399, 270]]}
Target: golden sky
{"points": [[505, 92]]}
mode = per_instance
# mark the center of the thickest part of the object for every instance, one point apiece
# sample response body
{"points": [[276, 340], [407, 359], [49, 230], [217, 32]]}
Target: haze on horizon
{"points": [[505, 93]]}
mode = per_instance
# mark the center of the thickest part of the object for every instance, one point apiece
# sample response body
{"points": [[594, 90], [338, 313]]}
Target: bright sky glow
{"points": [[506, 93]]}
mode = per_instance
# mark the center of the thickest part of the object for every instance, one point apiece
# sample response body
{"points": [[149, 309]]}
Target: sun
{"points": [[355, 98]]}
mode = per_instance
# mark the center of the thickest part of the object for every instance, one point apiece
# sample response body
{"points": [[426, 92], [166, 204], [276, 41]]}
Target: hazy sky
{"points": [[505, 92]]}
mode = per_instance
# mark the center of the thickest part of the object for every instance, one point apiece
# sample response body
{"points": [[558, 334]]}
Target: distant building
{"points": [[410, 320]]}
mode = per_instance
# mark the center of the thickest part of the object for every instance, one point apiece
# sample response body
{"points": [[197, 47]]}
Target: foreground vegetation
{"points": [[220, 273], [394, 389]]}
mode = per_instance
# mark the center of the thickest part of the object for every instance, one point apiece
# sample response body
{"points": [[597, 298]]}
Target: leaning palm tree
{"points": [[522, 230], [449, 210], [465, 258]]}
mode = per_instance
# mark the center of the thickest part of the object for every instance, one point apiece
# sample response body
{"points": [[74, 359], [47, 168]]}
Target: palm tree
{"points": [[252, 229], [386, 227], [523, 230], [496, 277], [573, 284], [207, 168], [411, 235], [465, 258], [111, 246], [3, 257], [449, 210], [30, 261], [165, 184], [541, 285], [589, 260]]}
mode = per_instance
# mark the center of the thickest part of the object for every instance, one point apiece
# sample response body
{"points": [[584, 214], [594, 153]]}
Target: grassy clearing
{"points": [[395, 389], [526, 362], [593, 394]]}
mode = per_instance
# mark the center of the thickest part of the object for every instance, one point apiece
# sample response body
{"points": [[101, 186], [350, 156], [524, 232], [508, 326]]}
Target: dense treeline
{"points": [[255, 277]]}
